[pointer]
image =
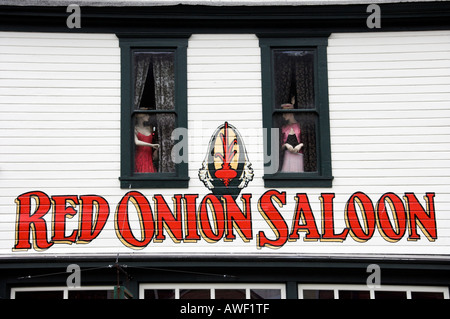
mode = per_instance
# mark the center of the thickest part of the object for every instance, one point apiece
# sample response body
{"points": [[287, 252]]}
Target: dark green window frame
{"points": [[128, 44], [323, 176]]}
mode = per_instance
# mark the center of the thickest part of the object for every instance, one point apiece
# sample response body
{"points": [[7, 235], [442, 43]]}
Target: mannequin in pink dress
{"points": [[291, 144], [146, 150]]}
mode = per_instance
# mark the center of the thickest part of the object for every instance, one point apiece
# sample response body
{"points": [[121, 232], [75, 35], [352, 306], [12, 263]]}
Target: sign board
{"points": [[228, 219]]}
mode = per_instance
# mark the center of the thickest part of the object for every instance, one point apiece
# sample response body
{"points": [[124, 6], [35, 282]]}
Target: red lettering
{"points": [[273, 218], [328, 233], [190, 216], [304, 213], [145, 216], [218, 218], [60, 212], [367, 213], [32, 224], [418, 216], [166, 219], [91, 227], [242, 221], [388, 231]]}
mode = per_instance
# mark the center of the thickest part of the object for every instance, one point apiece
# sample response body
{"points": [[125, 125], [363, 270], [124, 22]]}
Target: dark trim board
{"points": [[269, 20], [102, 271]]}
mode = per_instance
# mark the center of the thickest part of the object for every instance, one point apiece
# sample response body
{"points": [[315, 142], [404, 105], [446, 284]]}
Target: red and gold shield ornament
{"points": [[226, 169]]}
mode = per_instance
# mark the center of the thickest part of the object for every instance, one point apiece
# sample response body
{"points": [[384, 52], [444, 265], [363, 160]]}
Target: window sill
{"points": [[281, 180], [154, 182]]}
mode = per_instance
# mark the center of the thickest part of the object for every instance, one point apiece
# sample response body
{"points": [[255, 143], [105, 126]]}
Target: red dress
{"points": [[144, 155]]}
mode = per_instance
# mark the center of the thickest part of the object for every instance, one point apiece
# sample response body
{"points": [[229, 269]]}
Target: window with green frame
{"points": [[295, 112], [153, 112]]}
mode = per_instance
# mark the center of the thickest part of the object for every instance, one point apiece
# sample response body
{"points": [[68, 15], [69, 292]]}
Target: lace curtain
{"points": [[156, 71]]}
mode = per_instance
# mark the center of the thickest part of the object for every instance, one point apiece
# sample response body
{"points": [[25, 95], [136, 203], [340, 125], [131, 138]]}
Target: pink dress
{"points": [[292, 162], [144, 155]]}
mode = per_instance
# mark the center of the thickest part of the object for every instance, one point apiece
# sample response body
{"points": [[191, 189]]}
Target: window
{"points": [[100, 292], [212, 291], [295, 112], [364, 292], [153, 113]]}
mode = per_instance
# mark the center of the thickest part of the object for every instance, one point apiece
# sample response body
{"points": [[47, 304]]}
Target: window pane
{"points": [[153, 142], [230, 293], [91, 294], [154, 80], [195, 294], [298, 148], [351, 294], [159, 294], [293, 72], [265, 294], [318, 294], [426, 295], [39, 295], [390, 294]]}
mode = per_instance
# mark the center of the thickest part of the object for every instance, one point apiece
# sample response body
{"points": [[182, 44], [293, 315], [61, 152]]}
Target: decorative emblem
{"points": [[226, 169]]}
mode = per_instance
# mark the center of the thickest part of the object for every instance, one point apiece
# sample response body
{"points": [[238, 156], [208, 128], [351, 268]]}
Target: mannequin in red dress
{"points": [[146, 151]]}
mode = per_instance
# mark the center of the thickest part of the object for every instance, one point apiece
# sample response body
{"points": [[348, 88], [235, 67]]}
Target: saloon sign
{"points": [[189, 219], [225, 214]]}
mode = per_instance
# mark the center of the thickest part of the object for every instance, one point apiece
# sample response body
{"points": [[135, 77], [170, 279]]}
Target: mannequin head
{"points": [[288, 117], [142, 119]]}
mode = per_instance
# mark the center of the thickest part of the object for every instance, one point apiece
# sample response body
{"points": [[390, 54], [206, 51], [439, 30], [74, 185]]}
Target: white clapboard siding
{"points": [[389, 113], [60, 105], [390, 89], [224, 83]]}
